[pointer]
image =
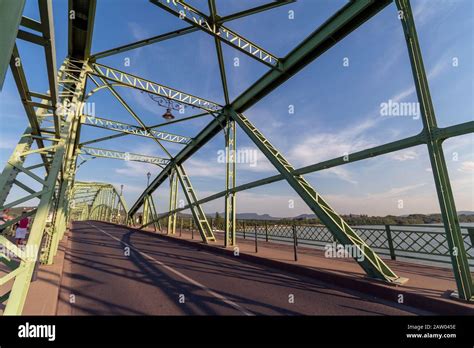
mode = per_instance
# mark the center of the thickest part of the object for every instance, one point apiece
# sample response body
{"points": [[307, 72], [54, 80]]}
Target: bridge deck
{"points": [[104, 280], [429, 286]]}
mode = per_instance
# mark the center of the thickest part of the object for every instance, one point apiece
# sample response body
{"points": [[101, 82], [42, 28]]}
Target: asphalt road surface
{"points": [[113, 270]]}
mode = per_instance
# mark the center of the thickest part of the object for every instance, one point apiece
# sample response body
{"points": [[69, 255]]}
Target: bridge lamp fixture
{"points": [[167, 103]]}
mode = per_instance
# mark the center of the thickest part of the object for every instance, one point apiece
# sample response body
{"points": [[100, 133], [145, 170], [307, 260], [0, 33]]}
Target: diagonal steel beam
{"points": [[199, 216], [342, 23], [10, 18], [186, 30], [133, 130], [254, 10], [346, 20], [372, 264], [81, 27], [145, 42], [145, 85], [134, 115], [194, 17], [203, 137], [47, 25]]}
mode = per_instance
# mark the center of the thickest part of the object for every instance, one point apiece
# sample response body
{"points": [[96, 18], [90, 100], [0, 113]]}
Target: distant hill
{"points": [[254, 216], [465, 216]]}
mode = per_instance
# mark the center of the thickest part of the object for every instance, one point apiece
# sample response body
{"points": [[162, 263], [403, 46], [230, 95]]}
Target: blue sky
{"points": [[336, 107]]}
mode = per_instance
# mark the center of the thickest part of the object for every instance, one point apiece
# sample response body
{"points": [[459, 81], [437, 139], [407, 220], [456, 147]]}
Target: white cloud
{"points": [[467, 167], [138, 169], [405, 155]]}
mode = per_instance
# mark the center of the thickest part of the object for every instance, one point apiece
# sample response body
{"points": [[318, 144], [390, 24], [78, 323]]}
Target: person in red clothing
{"points": [[22, 228]]}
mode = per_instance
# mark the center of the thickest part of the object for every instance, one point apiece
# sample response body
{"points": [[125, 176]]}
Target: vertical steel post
{"points": [[266, 231], [230, 199], [295, 243], [173, 202], [146, 210], [462, 274], [390, 242], [256, 241]]}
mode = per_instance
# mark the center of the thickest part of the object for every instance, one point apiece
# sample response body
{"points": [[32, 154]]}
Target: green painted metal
{"points": [[199, 216], [10, 18], [346, 20], [57, 138], [187, 30], [130, 111], [254, 10], [36, 240], [99, 201], [230, 199], [193, 16], [173, 202], [116, 126], [125, 156], [133, 81], [462, 274], [372, 264], [149, 213]]}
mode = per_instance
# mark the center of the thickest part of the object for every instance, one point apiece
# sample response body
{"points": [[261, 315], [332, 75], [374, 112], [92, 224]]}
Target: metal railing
{"points": [[420, 242]]}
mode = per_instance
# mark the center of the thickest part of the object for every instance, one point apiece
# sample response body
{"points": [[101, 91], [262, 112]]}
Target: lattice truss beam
{"points": [[53, 185], [213, 27], [125, 156]]}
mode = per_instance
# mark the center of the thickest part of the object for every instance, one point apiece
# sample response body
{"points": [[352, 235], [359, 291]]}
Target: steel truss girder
{"points": [[454, 236], [205, 135], [254, 10], [105, 204], [372, 264], [125, 156], [346, 20], [46, 39], [132, 113], [187, 30], [230, 199], [133, 81], [199, 216], [25, 95], [194, 17], [134, 130], [49, 200], [342, 23], [11, 170], [10, 12]]}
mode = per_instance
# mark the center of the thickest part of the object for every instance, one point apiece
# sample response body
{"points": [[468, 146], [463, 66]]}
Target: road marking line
{"points": [[185, 277]]}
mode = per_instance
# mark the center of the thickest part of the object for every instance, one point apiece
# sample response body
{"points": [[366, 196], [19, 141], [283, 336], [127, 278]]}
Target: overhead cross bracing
{"points": [[57, 137]]}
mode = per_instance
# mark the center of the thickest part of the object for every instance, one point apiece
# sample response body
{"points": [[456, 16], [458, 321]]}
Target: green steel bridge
{"points": [[49, 150]]}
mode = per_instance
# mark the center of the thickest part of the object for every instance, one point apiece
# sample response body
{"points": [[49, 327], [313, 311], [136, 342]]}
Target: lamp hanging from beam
{"points": [[167, 103]]}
